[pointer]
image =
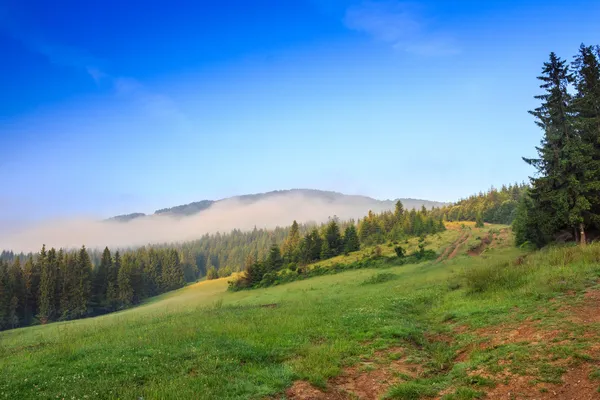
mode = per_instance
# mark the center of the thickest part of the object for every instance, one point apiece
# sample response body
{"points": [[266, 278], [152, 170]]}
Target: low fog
{"points": [[222, 216]]}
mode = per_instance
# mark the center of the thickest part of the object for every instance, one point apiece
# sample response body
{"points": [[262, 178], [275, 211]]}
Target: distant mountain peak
{"points": [[185, 210]]}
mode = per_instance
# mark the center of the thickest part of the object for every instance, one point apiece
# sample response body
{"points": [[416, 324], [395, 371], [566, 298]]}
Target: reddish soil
{"points": [[527, 331], [576, 386], [485, 242], [451, 251], [588, 312], [368, 383], [454, 253]]}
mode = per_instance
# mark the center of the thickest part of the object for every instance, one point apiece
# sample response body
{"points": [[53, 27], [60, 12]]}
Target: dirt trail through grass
{"points": [[453, 247]]}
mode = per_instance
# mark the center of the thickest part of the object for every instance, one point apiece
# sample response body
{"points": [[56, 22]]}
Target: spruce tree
{"points": [[274, 261], [101, 279], [479, 220], [559, 191], [586, 109], [125, 288], [333, 238], [48, 283], [351, 242], [291, 244], [31, 277], [112, 286], [83, 284]]}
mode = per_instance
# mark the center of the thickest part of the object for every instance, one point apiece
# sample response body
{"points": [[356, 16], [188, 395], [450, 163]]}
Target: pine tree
{"points": [[48, 283], [101, 279], [274, 261], [586, 108], [558, 192], [31, 277], [153, 273], [83, 284], [125, 287], [351, 242], [5, 296], [292, 243], [112, 286], [333, 238], [479, 220], [326, 251], [399, 211], [172, 277]]}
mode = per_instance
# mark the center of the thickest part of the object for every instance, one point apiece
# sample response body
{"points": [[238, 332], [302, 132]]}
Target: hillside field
{"points": [[484, 320]]}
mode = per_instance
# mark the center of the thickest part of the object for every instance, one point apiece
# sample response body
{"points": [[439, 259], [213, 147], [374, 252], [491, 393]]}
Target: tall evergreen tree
{"points": [[48, 284], [586, 108], [31, 277], [101, 279], [274, 260], [351, 242], [559, 190], [125, 287], [291, 245], [112, 286], [333, 238], [83, 284]]}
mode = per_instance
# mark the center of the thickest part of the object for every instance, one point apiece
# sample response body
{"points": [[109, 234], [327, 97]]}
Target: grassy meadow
{"points": [[440, 329]]}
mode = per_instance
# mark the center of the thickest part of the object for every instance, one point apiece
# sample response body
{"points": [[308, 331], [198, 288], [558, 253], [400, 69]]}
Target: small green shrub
{"points": [[380, 278]]}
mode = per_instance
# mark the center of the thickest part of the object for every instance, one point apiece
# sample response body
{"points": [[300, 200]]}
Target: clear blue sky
{"points": [[113, 106]]}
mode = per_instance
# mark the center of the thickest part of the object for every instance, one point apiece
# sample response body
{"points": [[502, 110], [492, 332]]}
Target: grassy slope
{"points": [[203, 342]]}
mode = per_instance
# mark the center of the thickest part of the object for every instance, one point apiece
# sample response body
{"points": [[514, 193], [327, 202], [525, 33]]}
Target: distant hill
{"points": [[311, 194]]}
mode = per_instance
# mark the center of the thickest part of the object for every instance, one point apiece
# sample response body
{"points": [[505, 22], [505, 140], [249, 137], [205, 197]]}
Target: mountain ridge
{"points": [[185, 210]]}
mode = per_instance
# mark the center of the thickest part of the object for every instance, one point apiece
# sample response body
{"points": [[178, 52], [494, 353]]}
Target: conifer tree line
{"points": [[330, 241], [564, 199], [496, 206], [59, 285], [64, 285]]}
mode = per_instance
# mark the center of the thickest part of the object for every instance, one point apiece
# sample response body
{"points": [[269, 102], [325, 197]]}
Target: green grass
{"points": [[204, 342]]}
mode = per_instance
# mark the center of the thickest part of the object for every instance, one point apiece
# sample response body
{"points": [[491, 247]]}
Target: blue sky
{"points": [[114, 107]]}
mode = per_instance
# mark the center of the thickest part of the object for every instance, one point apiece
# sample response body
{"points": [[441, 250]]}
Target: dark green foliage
{"points": [[380, 278], [497, 206], [48, 285], [351, 242], [479, 220], [333, 238], [565, 196], [399, 251], [212, 273]]}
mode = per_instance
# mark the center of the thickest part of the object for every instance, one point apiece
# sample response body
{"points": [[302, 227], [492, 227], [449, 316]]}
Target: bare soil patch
{"points": [[485, 242], [370, 380], [576, 385], [588, 312]]}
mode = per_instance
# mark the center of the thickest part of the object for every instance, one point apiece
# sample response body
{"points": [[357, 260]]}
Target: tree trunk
{"points": [[582, 239]]}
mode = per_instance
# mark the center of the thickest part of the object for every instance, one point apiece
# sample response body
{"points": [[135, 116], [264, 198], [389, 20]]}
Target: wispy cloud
{"points": [[400, 25]]}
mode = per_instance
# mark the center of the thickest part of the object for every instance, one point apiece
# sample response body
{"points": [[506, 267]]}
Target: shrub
{"points": [[399, 251], [380, 278], [212, 273]]}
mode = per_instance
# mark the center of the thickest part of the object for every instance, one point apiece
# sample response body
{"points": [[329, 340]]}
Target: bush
{"points": [[380, 278], [212, 273], [399, 251], [502, 275]]}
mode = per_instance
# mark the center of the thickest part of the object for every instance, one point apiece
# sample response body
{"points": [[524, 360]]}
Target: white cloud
{"points": [[400, 25]]}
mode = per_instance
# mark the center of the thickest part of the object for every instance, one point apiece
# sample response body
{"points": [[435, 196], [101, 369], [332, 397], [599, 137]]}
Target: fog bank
{"points": [[222, 216]]}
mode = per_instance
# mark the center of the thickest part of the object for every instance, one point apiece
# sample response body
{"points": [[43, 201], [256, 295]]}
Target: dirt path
{"points": [[453, 247], [464, 240]]}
